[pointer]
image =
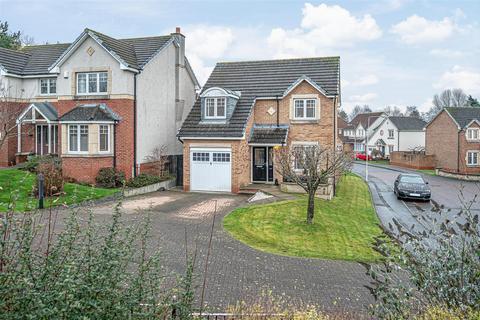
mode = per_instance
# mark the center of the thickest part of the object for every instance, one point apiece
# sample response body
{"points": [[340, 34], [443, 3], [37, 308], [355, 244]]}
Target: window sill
{"points": [[304, 121], [91, 96], [473, 140], [47, 96], [213, 121], [86, 155]]}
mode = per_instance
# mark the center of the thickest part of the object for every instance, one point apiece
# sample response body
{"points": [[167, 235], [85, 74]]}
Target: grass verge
{"points": [[18, 183], [344, 227]]}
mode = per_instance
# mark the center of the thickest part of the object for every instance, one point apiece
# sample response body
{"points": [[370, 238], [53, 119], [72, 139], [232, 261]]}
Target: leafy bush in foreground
{"points": [[84, 271]]}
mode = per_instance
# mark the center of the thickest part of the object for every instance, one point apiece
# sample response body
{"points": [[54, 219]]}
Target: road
{"points": [[450, 193]]}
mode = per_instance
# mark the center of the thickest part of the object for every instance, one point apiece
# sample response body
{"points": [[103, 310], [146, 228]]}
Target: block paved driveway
{"points": [[236, 271]]}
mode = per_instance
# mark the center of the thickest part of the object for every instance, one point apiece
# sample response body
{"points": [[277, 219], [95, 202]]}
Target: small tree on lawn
{"points": [[309, 167]]}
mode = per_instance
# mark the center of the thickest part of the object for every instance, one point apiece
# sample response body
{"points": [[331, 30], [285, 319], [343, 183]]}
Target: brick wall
{"points": [[9, 147], [412, 160], [441, 140], [84, 169]]}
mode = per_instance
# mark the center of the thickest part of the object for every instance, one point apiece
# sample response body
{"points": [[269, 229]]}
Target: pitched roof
{"points": [[269, 135], [408, 123], [342, 123], [91, 112], [463, 116], [37, 59], [45, 108], [256, 79], [362, 118]]}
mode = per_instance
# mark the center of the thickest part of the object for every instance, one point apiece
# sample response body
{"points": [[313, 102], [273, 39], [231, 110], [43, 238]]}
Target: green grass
{"points": [[381, 162], [20, 183], [429, 172], [344, 228]]}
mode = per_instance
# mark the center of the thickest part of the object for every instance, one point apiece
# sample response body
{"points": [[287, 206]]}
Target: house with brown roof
{"points": [[247, 110], [99, 101], [453, 136]]}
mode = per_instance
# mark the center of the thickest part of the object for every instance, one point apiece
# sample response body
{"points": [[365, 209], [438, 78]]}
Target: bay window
{"points": [[92, 82], [78, 138]]}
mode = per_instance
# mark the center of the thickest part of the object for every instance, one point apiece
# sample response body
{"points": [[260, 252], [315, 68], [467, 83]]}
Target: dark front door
{"points": [[260, 164]]}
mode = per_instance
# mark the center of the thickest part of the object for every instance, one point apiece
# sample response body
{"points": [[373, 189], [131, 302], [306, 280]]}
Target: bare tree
{"points": [[309, 167], [157, 160], [412, 111], [360, 109], [450, 98], [393, 111]]}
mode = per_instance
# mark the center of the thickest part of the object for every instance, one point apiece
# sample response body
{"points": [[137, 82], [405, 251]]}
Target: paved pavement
{"points": [[450, 193], [235, 271]]}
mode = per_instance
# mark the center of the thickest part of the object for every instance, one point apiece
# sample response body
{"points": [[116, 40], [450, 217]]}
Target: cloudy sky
{"points": [[393, 52]]}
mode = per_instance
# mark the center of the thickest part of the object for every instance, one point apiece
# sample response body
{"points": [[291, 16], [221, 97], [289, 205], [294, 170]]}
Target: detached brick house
{"points": [[98, 101], [453, 136], [246, 109]]}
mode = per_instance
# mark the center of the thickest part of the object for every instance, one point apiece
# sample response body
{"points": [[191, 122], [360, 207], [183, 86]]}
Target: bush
{"points": [[143, 180], [110, 178], [83, 270], [34, 161], [51, 169]]}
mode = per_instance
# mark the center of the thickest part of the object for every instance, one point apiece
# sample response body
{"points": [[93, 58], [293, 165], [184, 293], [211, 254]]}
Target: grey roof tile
{"points": [[254, 79], [46, 108], [35, 60], [269, 135], [408, 123], [90, 112], [464, 115]]}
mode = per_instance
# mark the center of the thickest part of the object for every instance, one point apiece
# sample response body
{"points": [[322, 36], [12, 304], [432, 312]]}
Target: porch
{"points": [[37, 131]]}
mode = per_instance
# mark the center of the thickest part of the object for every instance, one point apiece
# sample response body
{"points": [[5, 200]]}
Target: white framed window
{"points": [[104, 138], [390, 148], [92, 82], [391, 133], [473, 134], [78, 138], [48, 86], [472, 158], [360, 132], [297, 164], [304, 109], [215, 108]]}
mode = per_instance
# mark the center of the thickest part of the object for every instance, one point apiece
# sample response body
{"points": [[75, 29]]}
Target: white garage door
{"points": [[210, 169]]}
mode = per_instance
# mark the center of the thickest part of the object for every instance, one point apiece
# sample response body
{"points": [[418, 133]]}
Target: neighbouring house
{"points": [[342, 142], [385, 134], [355, 133], [453, 136], [247, 110], [397, 133], [98, 101]]}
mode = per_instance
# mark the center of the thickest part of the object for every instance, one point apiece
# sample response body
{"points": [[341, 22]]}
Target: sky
{"points": [[393, 52]]}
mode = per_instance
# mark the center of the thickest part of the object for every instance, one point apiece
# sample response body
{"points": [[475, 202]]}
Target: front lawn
{"points": [[428, 171], [344, 228], [18, 182]]}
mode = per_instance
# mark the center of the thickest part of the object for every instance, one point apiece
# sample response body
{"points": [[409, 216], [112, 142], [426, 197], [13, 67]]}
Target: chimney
{"points": [[177, 30], [181, 42]]}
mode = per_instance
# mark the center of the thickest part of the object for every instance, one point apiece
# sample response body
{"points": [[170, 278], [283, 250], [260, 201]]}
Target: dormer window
{"points": [[215, 108]]}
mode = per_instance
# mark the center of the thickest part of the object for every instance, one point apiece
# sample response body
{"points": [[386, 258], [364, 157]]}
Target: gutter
{"points": [[114, 146], [278, 111]]}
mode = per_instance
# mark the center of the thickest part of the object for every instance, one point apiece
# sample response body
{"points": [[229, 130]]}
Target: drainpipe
{"points": [[458, 151], [278, 111], [115, 145], [135, 125], [334, 139]]}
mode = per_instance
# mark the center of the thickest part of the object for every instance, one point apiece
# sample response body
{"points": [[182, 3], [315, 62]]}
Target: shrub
{"points": [[83, 270], [34, 161], [142, 180], [51, 170], [110, 178]]}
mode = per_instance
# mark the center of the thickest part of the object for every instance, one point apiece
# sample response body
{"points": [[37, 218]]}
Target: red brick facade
{"points": [[9, 147], [450, 145], [321, 131], [85, 168]]}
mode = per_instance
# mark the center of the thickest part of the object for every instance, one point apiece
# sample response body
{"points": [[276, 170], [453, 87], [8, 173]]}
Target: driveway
{"points": [[235, 271], [447, 192]]}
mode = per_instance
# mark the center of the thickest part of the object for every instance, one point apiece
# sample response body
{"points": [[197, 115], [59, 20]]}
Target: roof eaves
{"points": [[299, 81], [192, 74]]}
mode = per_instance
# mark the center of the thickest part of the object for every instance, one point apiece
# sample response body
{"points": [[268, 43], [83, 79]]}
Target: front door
{"points": [[42, 139], [262, 164]]}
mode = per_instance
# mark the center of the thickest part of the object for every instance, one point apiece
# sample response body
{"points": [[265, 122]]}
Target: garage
{"points": [[210, 169]]}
